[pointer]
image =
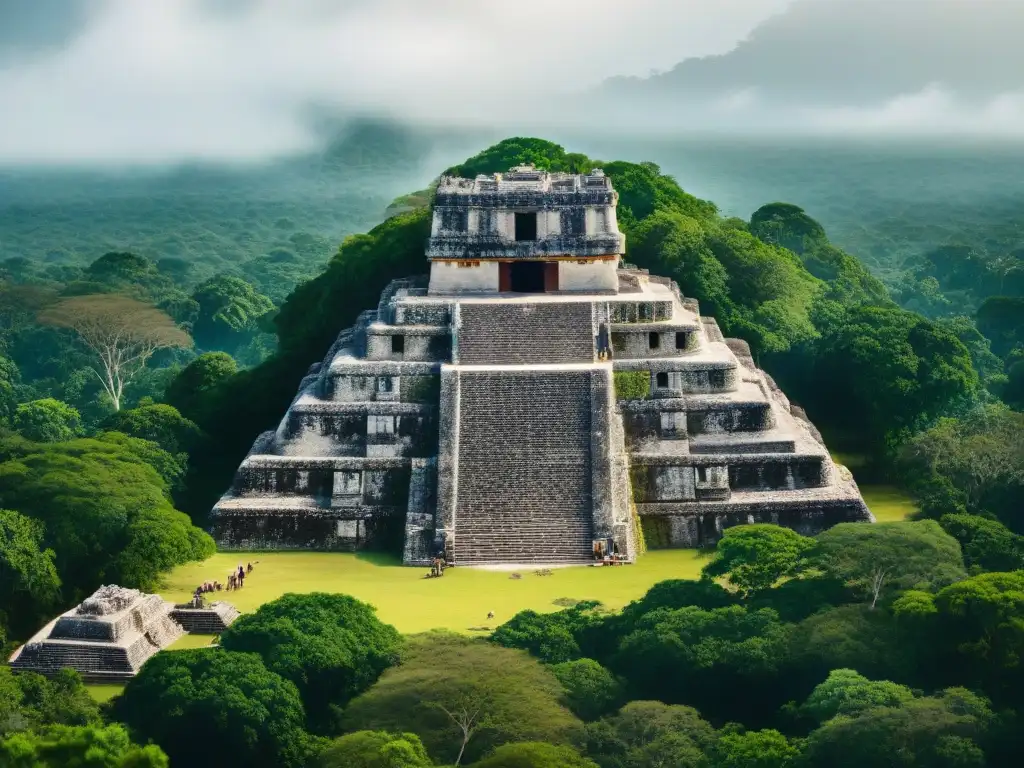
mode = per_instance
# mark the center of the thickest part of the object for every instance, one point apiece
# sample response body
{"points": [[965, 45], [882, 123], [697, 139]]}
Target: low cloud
{"points": [[934, 111], [237, 80]]}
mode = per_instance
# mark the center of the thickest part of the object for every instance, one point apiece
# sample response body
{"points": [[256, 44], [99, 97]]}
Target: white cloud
{"points": [[934, 111], [152, 81]]}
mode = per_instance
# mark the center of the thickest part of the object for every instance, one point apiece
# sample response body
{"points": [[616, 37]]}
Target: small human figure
{"points": [[248, 568], [231, 581], [217, 586], [241, 576]]}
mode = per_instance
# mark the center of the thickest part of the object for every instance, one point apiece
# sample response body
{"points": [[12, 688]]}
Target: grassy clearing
{"points": [[191, 641], [104, 692], [459, 601], [888, 504]]}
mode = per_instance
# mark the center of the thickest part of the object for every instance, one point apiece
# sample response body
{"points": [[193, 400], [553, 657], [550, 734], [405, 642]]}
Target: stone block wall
{"points": [[525, 334], [653, 344]]}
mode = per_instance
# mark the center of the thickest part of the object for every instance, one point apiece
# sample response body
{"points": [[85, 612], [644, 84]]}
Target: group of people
{"points": [[236, 579]]}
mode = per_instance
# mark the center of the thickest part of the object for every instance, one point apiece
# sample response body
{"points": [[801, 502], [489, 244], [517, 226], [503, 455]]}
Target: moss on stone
{"points": [[656, 532], [632, 385]]}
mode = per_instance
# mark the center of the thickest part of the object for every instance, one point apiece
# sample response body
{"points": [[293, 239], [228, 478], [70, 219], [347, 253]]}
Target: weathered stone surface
{"points": [[106, 639], [481, 422], [209, 620]]}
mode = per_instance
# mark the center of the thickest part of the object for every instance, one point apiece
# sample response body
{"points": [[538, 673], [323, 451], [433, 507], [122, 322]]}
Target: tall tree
{"points": [[754, 557], [333, 647], [871, 559], [208, 706], [229, 312], [121, 332]]}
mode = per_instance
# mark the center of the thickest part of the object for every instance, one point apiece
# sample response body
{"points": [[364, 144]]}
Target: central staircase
{"points": [[524, 467], [523, 333]]}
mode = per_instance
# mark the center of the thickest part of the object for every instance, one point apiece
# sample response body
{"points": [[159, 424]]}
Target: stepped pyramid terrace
{"points": [[533, 401], [107, 638]]}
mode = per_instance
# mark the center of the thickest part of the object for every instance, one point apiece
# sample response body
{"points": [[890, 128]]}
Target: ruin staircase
{"points": [[524, 467]]}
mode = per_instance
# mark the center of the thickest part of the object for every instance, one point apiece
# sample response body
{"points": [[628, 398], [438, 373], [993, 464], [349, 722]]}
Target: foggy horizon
{"points": [[95, 82]]}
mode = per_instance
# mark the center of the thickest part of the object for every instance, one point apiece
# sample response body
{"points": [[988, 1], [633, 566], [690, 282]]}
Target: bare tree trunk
{"points": [[877, 580], [467, 718]]}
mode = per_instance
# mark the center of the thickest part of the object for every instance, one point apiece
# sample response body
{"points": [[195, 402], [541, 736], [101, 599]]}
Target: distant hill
{"points": [[857, 53]]}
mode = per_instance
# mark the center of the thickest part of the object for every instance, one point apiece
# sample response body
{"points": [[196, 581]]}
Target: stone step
{"points": [[524, 466], [521, 333]]}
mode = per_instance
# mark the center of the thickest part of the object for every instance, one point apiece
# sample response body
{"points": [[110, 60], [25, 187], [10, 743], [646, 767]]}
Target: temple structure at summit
{"points": [[534, 401]]}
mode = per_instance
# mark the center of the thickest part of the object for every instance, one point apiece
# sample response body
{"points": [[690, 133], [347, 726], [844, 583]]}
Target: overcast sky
{"points": [[167, 80]]}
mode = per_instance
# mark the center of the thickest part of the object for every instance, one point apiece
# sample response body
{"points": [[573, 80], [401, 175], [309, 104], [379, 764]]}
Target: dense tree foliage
{"points": [[332, 647], [47, 421], [375, 749], [551, 637], [194, 386], [29, 584], [987, 545], [104, 509], [972, 464], [650, 733], [693, 656], [754, 749], [464, 697], [787, 225], [590, 689], [846, 692], [63, 745], [1001, 319], [157, 423], [209, 707], [230, 311], [873, 559], [891, 370], [534, 754], [944, 731], [29, 701], [754, 557]]}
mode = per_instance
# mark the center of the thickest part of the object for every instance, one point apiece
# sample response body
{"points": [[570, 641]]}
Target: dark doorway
{"points": [[526, 227], [526, 276]]}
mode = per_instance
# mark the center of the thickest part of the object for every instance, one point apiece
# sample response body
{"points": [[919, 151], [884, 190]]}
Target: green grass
{"points": [[191, 641], [888, 504], [459, 601], [104, 692]]}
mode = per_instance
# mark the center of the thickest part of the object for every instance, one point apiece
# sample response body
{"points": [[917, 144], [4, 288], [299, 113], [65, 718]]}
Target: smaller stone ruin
{"points": [[211, 619], [107, 638]]}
